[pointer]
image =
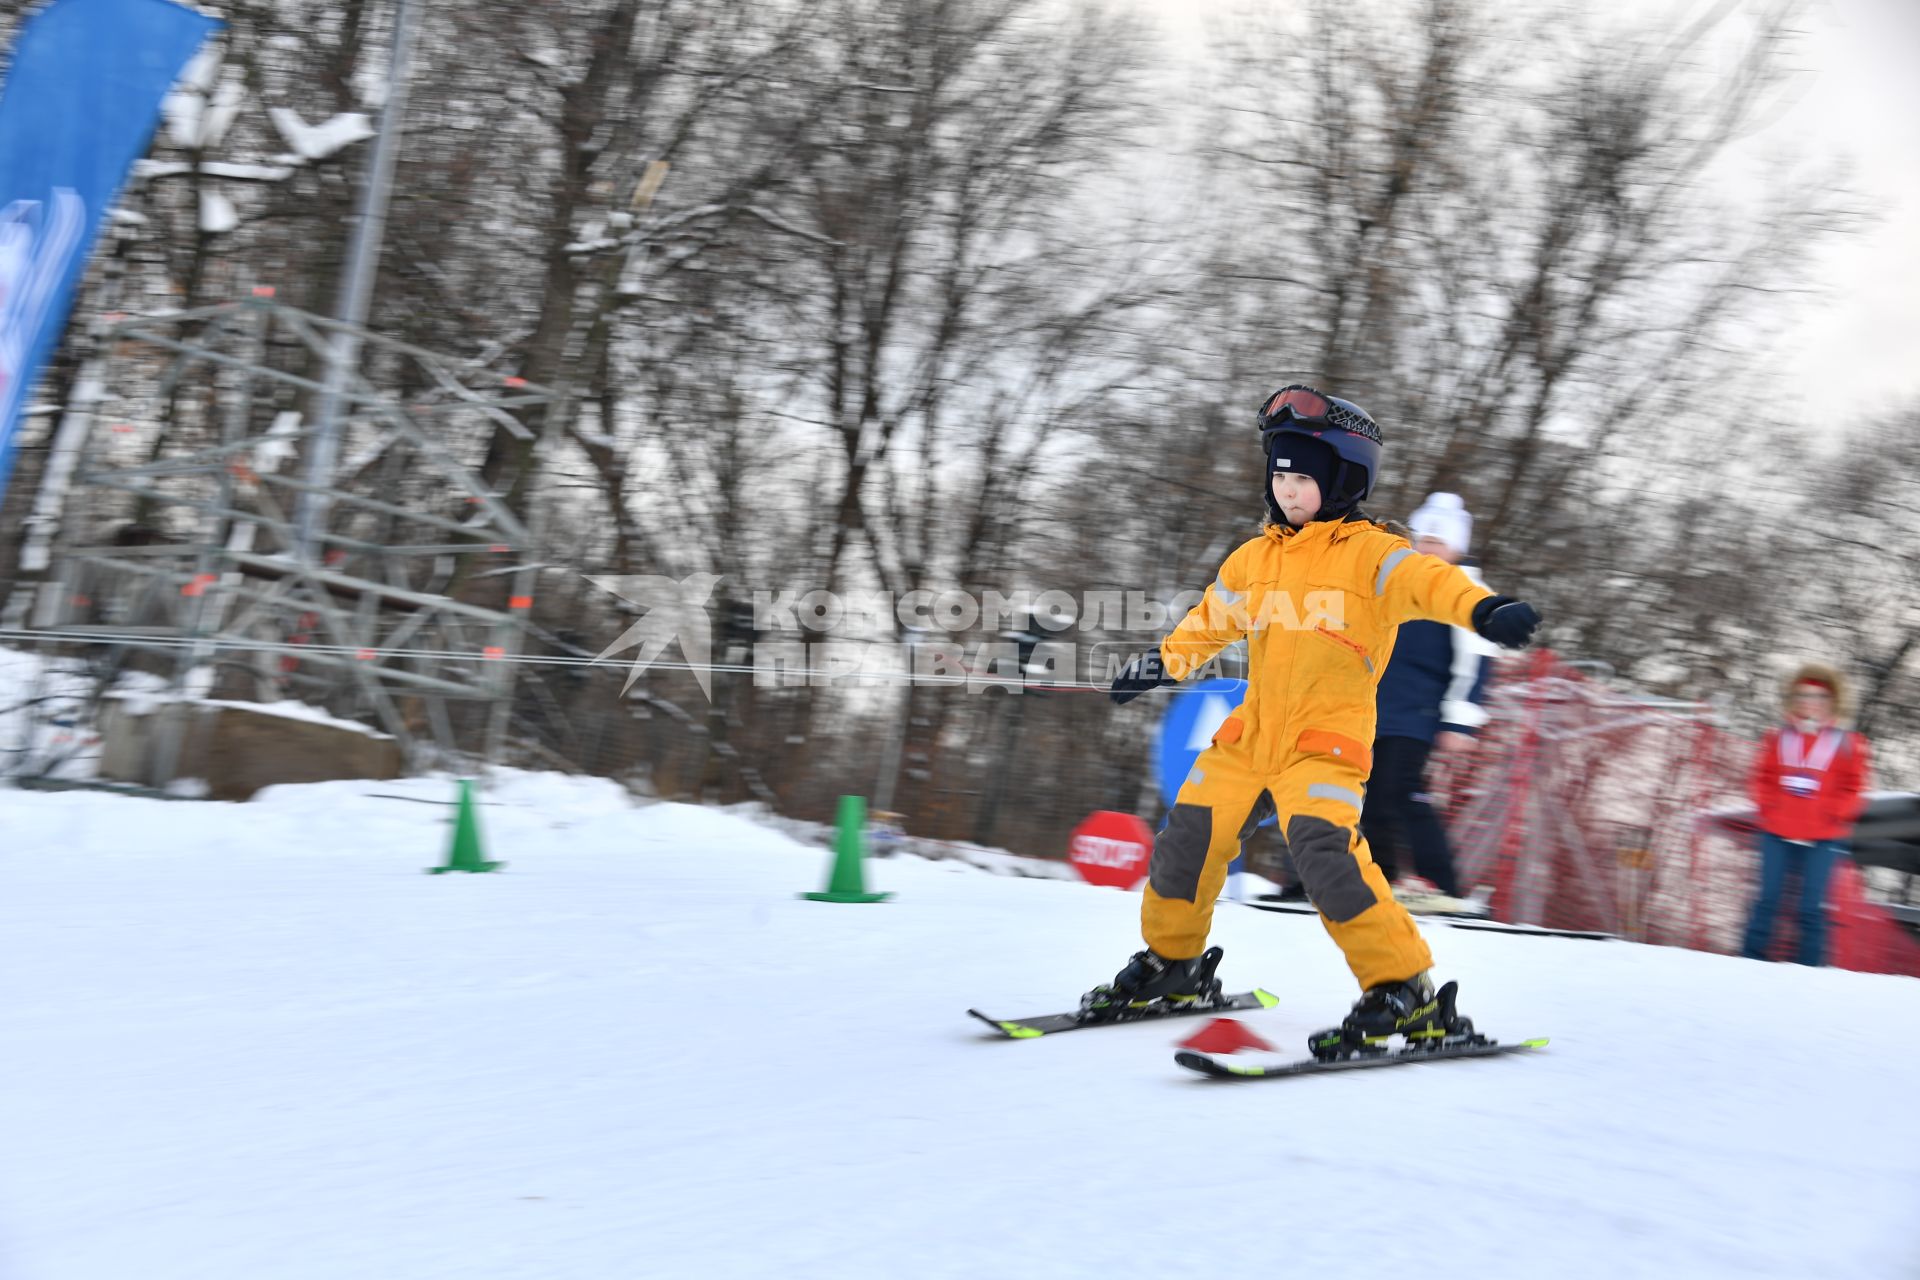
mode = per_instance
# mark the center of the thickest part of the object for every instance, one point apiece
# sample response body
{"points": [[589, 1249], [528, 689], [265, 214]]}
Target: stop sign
{"points": [[1111, 848]]}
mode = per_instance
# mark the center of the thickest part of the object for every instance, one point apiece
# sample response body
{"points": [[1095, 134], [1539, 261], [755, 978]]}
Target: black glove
{"points": [[1137, 677], [1507, 622]]}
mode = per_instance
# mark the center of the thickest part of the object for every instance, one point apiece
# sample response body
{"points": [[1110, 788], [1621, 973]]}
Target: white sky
{"points": [[1860, 341], [1864, 99]]}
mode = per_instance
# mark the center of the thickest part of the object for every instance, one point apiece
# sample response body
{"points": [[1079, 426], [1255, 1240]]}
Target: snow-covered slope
{"points": [[255, 1041]]}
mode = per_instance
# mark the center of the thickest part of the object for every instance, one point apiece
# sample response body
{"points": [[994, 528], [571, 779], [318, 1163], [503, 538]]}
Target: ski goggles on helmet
{"points": [[1309, 407], [1341, 424]]}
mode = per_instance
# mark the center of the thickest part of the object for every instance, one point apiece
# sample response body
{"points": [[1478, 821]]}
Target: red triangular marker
{"points": [[1224, 1035]]}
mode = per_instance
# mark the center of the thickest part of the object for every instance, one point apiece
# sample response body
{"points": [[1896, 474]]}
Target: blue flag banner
{"points": [[78, 107]]}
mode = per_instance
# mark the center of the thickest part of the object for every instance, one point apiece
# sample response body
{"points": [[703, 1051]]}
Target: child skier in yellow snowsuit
{"points": [[1319, 597]]}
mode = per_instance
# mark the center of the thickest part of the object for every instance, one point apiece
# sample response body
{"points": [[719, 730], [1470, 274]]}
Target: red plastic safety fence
{"points": [[1580, 811], [1588, 808], [1861, 934]]}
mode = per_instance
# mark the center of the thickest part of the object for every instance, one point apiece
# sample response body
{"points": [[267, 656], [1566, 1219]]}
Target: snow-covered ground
{"points": [[256, 1041], [44, 723]]}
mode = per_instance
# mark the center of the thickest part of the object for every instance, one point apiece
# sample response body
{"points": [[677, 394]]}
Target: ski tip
{"points": [[1266, 998], [1013, 1030], [1207, 1065], [1539, 1042]]}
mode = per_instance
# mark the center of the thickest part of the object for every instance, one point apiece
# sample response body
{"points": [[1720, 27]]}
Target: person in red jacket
{"points": [[1809, 780]]}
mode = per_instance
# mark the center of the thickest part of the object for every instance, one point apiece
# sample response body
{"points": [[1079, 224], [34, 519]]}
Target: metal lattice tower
{"points": [[182, 536]]}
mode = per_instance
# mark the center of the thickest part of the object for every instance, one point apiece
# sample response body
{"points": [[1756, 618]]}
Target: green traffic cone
{"points": [[848, 882], [464, 853]]}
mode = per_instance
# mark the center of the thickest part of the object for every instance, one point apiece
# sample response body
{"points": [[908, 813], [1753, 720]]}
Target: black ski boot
{"points": [[1152, 984], [1412, 1008]]}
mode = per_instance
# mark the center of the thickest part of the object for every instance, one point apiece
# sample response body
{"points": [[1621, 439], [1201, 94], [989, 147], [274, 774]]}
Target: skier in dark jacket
{"points": [[1429, 702]]}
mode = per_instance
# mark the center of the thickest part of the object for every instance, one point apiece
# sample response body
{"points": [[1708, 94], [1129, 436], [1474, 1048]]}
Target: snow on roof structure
{"points": [[318, 141]]}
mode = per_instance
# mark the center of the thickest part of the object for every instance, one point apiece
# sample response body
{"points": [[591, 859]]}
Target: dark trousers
{"points": [[1812, 864], [1397, 815]]}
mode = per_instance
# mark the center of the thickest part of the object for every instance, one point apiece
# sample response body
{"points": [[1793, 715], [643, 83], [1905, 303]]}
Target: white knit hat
{"points": [[1445, 517]]}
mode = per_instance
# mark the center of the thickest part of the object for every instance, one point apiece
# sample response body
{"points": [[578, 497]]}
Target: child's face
{"points": [[1297, 496]]}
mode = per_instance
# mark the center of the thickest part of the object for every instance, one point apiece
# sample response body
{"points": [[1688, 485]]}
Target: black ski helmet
{"points": [[1344, 426]]}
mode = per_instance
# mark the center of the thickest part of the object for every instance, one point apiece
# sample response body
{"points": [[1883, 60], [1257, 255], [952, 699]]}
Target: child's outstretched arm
{"points": [[1210, 626], [1412, 586]]}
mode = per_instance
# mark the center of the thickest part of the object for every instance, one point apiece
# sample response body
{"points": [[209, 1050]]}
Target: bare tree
{"points": [[1853, 569], [1511, 240]]}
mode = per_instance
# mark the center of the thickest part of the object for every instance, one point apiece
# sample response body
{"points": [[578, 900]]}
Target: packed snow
{"points": [[246, 172], [217, 214], [318, 141], [255, 1040], [145, 702], [184, 107]]}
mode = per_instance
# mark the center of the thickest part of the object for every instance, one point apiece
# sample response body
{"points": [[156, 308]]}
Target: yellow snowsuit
{"points": [[1319, 608]]}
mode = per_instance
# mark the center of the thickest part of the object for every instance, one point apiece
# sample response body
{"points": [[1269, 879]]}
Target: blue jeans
{"points": [[1812, 864]]}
